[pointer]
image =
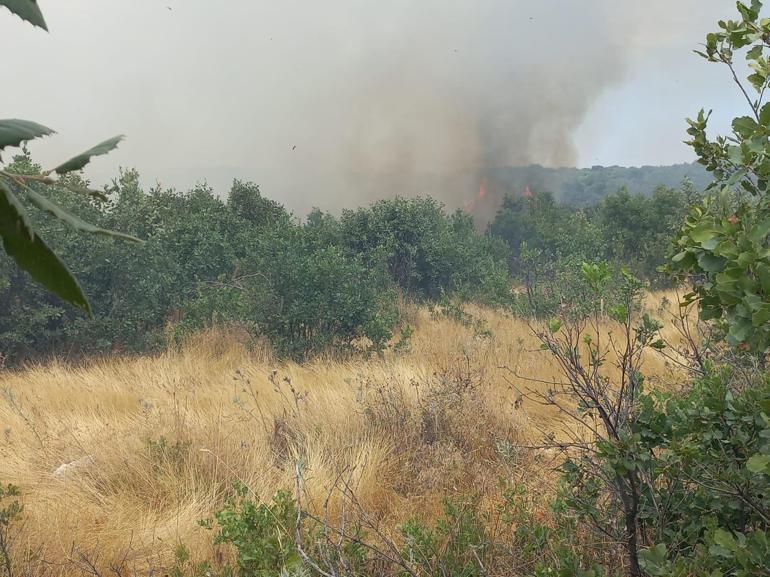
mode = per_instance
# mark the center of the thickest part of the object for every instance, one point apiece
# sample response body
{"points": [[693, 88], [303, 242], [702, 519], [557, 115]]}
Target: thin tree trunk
{"points": [[630, 510]]}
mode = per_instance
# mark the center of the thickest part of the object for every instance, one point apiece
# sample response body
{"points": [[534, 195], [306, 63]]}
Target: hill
{"points": [[578, 186]]}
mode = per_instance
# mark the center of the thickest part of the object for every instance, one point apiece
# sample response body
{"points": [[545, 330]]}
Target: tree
{"points": [[606, 474], [427, 252], [21, 240], [722, 247], [246, 201]]}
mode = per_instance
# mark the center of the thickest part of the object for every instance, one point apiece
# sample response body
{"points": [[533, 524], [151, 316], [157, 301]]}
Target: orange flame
{"points": [[527, 192], [470, 206]]}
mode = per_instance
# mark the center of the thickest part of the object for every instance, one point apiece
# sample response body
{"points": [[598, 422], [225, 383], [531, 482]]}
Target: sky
{"points": [[336, 103]]}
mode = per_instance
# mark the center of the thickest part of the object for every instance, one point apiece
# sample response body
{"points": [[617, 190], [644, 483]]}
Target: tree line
{"points": [[306, 285]]}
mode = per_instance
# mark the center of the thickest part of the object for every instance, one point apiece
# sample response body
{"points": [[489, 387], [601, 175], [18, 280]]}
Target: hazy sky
{"points": [[334, 103]]}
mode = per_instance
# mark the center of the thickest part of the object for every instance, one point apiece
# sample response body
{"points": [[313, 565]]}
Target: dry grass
{"points": [[155, 443]]}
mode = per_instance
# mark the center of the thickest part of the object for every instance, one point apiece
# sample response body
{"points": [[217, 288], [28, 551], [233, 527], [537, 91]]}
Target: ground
{"points": [[118, 459]]}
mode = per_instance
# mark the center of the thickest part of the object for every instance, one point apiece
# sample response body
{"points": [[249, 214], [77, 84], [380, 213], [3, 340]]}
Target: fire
{"points": [[470, 206], [486, 200]]}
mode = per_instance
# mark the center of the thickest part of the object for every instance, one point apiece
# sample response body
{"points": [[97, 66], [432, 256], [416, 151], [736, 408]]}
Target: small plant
{"points": [[184, 567], [404, 343], [262, 534], [607, 470], [10, 512], [454, 310], [456, 545], [164, 453]]}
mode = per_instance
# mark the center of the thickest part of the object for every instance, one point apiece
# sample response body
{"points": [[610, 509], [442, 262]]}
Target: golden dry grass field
{"points": [[120, 458]]}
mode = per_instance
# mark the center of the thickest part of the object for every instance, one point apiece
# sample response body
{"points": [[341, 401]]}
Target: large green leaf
{"points": [[745, 126], [27, 10], [81, 160], [14, 131], [76, 222], [32, 254], [758, 463]]}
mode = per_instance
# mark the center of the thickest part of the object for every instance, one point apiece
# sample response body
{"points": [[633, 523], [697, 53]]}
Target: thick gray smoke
{"points": [[438, 91], [334, 103]]}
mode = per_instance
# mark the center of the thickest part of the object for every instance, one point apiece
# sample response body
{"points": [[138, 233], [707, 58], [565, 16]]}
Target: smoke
{"points": [[451, 89], [329, 104]]}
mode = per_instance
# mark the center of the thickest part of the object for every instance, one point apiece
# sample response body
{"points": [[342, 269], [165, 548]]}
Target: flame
{"points": [[527, 192], [470, 206]]}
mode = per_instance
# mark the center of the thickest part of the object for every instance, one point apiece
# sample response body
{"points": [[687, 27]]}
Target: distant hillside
{"points": [[585, 186]]}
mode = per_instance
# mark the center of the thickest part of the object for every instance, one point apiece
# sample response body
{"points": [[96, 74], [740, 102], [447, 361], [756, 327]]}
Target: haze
{"points": [[332, 104]]}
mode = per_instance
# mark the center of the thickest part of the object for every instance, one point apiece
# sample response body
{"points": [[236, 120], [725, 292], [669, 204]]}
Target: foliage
{"points": [[466, 540], [456, 546], [21, 239], [637, 230], [538, 222], [204, 261], [711, 504], [606, 473], [548, 239], [309, 298], [262, 534], [10, 514], [722, 247], [426, 252], [584, 187], [679, 478]]}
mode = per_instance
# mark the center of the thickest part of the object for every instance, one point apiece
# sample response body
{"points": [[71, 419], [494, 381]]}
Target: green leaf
{"points": [[761, 316], [764, 114], [710, 263], [760, 231], [745, 126], [763, 274], [758, 463], [32, 254], [739, 331], [754, 53], [653, 560], [725, 540], [74, 221], [705, 236], [81, 160], [14, 131], [679, 256], [26, 10]]}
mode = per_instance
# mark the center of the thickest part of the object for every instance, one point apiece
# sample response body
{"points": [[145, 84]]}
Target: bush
{"points": [[307, 298], [327, 284], [711, 505], [262, 534], [630, 230], [427, 252]]}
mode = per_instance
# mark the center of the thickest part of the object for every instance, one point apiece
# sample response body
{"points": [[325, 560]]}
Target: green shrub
{"points": [[308, 288], [261, 534], [427, 252], [630, 230], [307, 298]]}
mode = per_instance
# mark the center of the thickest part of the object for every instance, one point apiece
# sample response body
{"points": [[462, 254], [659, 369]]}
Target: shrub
{"points": [[262, 534], [427, 252], [307, 298]]}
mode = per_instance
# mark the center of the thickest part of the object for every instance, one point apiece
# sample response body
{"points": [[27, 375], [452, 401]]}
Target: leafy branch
{"points": [[20, 239]]}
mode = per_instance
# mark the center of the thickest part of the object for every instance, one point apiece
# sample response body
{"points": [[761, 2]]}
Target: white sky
{"points": [[364, 89]]}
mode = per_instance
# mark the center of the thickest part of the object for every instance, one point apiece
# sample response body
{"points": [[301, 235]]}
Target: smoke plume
{"points": [[329, 104]]}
